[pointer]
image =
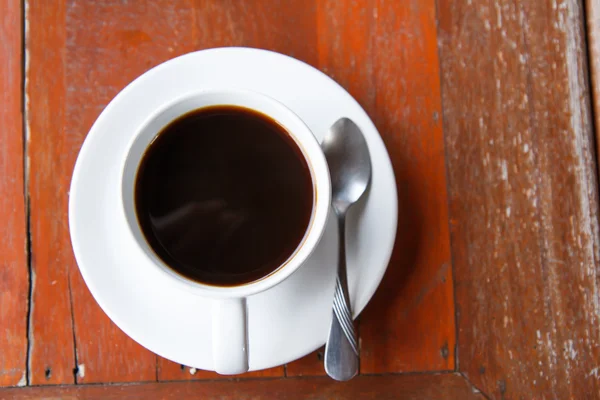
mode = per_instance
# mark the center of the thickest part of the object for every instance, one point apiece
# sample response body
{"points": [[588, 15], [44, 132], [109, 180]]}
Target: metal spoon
{"points": [[349, 162]]}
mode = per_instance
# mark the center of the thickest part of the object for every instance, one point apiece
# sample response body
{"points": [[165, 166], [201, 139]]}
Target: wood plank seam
{"points": [[474, 388], [76, 369], [13, 247], [25, 128], [29, 268], [446, 171], [256, 377], [224, 378], [51, 350], [585, 92], [272, 378], [592, 42], [435, 386]]}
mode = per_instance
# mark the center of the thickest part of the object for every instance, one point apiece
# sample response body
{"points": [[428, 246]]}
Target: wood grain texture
{"points": [[287, 27], [82, 54], [592, 11], [523, 196], [52, 355], [409, 387], [409, 325], [14, 275]]}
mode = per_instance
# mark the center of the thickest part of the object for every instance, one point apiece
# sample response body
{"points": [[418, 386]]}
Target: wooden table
{"points": [[487, 111]]}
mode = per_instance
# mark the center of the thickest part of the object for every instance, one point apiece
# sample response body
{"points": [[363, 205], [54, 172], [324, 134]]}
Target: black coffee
{"points": [[224, 195]]}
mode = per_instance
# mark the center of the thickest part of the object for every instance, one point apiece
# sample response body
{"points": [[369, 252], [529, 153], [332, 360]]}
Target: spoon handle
{"points": [[341, 350]]}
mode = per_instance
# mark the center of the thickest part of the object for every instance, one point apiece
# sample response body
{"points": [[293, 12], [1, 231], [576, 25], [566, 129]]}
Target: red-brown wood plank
{"points": [[421, 387], [52, 356], [523, 196], [409, 325], [14, 275]]}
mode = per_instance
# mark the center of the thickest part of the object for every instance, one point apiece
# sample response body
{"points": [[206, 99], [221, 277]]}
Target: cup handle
{"points": [[229, 336]]}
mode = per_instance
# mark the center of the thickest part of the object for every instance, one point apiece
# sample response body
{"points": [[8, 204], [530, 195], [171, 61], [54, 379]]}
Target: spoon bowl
{"points": [[349, 163]]}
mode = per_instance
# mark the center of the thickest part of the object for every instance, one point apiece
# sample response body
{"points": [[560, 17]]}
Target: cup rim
{"points": [[303, 138]]}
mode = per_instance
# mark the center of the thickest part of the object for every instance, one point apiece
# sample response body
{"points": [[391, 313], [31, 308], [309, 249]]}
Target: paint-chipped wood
{"points": [[523, 196], [390, 387], [14, 275]]}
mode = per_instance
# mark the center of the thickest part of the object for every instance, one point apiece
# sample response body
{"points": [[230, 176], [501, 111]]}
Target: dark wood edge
{"points": [[449, 385], [592, 11]]}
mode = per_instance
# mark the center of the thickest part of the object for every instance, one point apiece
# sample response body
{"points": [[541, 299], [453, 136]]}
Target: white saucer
{"points": [[284, 323]]}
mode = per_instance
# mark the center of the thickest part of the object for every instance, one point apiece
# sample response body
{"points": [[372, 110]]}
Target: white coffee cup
{"points": [[229, 316]]}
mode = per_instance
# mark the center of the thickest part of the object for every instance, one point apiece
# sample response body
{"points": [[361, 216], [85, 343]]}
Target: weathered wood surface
{"points": [[409, 387], [76, 49], [14, 275], [519, 157], [523, 196]]}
